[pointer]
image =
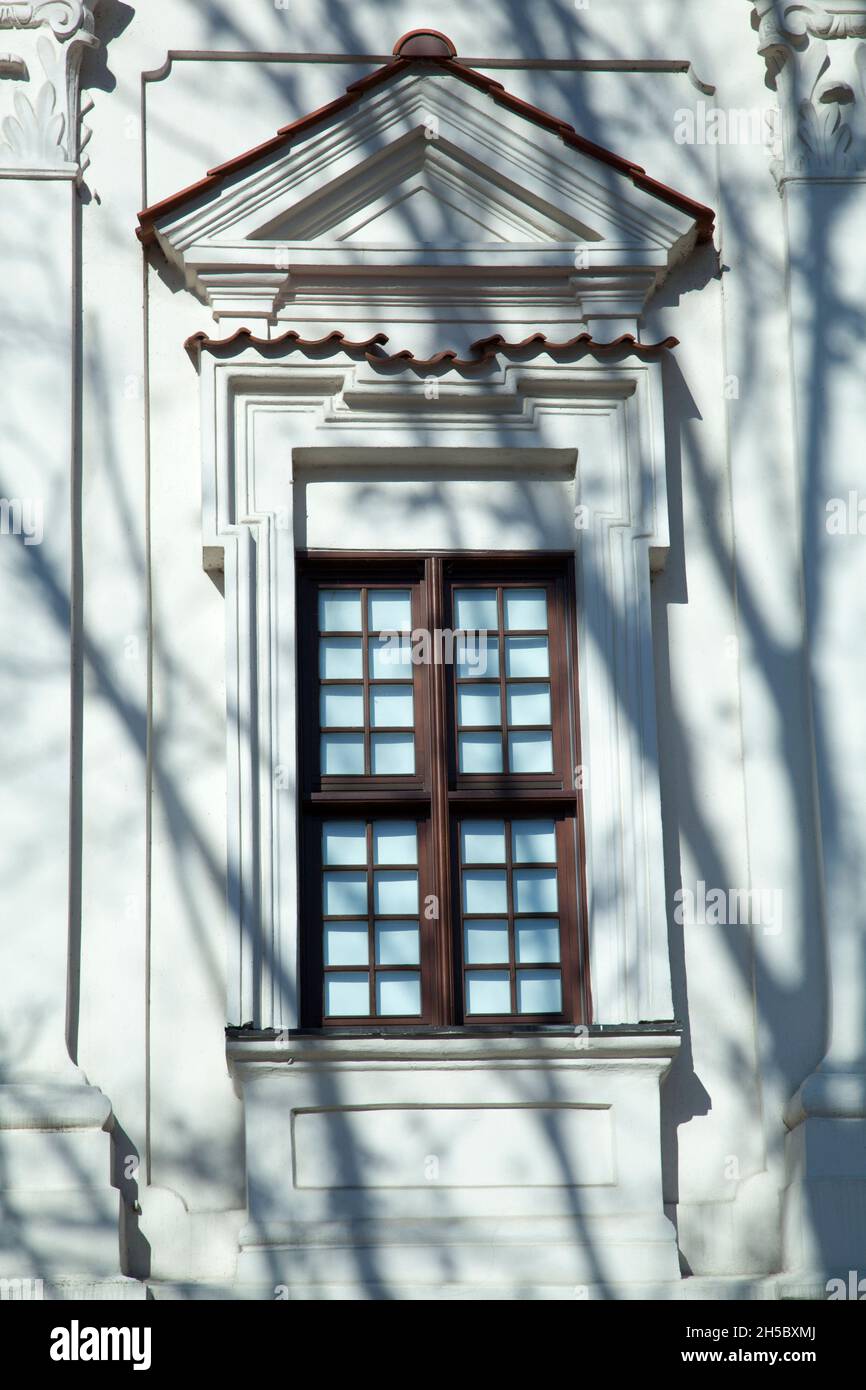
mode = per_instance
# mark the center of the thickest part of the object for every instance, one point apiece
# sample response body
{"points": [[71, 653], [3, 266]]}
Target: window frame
{"points": [[437, 796]]}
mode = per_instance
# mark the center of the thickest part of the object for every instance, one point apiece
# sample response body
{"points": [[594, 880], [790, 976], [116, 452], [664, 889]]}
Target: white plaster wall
{"points": [[732, 722]]}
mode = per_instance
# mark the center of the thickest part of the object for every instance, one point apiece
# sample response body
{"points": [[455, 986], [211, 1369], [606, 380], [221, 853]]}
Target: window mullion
{"points": [[443, 994]]}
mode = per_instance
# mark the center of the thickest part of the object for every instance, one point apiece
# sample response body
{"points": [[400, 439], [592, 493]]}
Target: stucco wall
{"points": [[735, 737]]}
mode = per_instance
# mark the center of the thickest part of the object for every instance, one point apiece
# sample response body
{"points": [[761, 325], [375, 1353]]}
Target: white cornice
{"points": [[338, 203]]}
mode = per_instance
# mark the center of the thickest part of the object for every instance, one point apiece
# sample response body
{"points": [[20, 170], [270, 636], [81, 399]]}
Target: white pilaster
{"points": [[58, 1210], [821, 172]]}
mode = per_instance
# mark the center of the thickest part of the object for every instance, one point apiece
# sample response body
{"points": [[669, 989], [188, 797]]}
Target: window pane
{"points": [[535, 890], [475, 608], [391, 706], [488, 992], [345, 895], [339, 610], [342, 755], [537, 940], [525, 608], [341, 658], [533, 842], [389, 610], [346, 943], [482, 842], [530, 752], [395, 842], [390, 658], [398, 994], [486, 943], [344, 842], [341, 706], [539, 992], [480, 752], [399, 943], [526, 656], [484, 891], [347, 995], [395, 893], [529, 704], [478, 704], [476, 657], [392, 755]]}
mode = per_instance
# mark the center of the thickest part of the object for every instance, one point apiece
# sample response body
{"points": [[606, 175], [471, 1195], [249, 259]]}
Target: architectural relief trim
{"points": [[409, 52], [257, 414], [65, 17], [820, 82], [42, 129]]}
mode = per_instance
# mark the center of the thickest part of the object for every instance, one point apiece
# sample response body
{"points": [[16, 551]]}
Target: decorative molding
{"points": [[266, 418], [424, 182], [823, 118], [42, 130]]}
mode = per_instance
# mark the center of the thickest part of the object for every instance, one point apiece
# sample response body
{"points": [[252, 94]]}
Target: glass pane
{"points": [[392, 755], [339, 610], [342, 755], [478, 704], [341, 706], [391, 707], [482, 842], [525, 608], [484, 891], [486, 943], [389, 610], [395, 893], [341, 658], [533, 842], [539, 992], [476, 657], [398, 994], [475, 608], [530, 752], [344, 842], [488, 992], [535, 890], [526, 656], [346, 943], [537, 940], [344, 895], [395, 842], [390, 657], [399, 943], [529, 704], [347, 996], [480, 752]]}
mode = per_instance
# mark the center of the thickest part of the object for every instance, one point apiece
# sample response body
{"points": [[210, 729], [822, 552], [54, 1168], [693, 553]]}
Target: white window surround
{"points": [[261, 419]]}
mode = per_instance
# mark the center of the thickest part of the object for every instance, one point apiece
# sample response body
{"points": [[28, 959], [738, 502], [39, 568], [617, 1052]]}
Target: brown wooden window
{"points": [[441, 829]]}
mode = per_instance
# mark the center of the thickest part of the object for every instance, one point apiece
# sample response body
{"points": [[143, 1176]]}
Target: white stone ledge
{"points": [[448, 1048]]}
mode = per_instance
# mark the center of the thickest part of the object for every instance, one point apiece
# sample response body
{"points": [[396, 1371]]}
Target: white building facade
{"points": [[343, 957]]}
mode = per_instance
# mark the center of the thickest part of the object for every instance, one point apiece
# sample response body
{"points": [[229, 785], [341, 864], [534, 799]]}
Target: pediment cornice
{"points": [[426, 169]]}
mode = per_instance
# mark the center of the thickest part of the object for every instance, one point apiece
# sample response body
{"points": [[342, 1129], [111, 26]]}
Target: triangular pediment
{"points": [[423, 163], [423, 194]]}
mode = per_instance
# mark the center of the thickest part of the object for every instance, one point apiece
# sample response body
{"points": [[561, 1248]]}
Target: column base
{"points": [[59, 1213], [824, 1205]]}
